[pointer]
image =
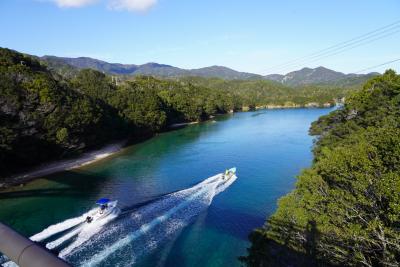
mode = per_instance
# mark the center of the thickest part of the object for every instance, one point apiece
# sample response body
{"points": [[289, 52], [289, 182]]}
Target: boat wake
{"points": [[143, 230], [60, 227], [76, 231], [133, 234]]}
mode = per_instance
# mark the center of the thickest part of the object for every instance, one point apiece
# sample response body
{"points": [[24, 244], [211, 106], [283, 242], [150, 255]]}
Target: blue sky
{"points": [[251, 36]]}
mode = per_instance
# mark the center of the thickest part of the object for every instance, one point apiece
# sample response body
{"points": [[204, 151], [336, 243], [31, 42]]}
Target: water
{"points": [[171, 216]]}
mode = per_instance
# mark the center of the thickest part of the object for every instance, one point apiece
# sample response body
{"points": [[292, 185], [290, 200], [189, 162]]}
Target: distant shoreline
{"points": [[309, 105]]}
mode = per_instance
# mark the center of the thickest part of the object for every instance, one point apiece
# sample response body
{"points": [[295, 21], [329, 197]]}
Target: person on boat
{"points": [[89, 219], [103, 208], [103, 203]]}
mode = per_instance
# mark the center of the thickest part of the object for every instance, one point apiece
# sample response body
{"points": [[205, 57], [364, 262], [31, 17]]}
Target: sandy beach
{"points": [[177, 125], [63, 165]]}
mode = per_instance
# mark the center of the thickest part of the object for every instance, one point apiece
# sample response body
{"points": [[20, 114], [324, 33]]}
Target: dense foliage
{"points": [[52, 110], [51, 116], [345, 209], [40, 116], [259, 93]]}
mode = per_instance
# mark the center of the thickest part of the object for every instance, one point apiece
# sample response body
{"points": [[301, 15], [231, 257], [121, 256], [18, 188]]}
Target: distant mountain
{"points": [[309, 76], [154, 69], [224, 73], [274, 77], [305, 76], [91, 63], [318, 75]]}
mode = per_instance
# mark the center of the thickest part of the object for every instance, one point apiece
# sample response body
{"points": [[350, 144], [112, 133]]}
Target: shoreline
{"points": [[310, 105], [62, 165], [84, 159], [93, 156], [177, 125]]}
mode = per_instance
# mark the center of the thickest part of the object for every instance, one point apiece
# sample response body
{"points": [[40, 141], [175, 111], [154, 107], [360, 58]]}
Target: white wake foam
{"points": [[146, 228], [60, 227], [58, 242], [87, 232], [135, 233]]}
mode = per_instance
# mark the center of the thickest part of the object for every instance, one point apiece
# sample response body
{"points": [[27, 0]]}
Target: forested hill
{"points": [[320, 75], [345, 209], [150, 69], [48, 114], [264, 93], [305, 76]]}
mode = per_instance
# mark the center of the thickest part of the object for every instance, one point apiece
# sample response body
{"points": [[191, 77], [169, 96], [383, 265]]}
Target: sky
{"points": [[252, 36]]}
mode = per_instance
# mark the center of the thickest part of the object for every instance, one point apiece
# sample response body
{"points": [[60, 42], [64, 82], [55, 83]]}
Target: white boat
{"points": [[92, 224], [229, 173], [106, 208]]}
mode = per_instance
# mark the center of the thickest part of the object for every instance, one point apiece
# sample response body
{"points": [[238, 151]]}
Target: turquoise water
{"points": [[194, 227]]}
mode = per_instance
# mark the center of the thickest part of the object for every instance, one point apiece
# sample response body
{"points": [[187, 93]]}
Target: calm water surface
{"points": [[269, 148]]}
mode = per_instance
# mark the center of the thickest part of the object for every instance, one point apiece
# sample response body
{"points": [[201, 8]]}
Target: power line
{"points": [[345, 43], [347, 47], [341, 50], [341, 45], [396, 23], [376, 66]]}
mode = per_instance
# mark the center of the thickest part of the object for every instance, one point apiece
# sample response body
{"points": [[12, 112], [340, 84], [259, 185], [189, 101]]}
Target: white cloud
{"points": [[74, 3], [129, 5], [132, 5]]}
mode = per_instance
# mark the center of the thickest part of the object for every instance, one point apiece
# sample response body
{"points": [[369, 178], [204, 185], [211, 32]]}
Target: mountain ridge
{"points": [[304, 76], [318, 75]]}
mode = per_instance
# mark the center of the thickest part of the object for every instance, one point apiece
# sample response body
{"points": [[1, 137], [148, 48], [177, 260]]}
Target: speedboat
{"points": [[106, 207], [229, 173]]}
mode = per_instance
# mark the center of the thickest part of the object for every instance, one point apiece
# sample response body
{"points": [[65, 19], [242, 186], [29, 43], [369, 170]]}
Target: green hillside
{"points": [[50, 116], [345, 209]]}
